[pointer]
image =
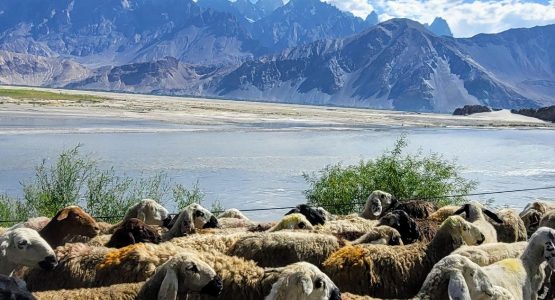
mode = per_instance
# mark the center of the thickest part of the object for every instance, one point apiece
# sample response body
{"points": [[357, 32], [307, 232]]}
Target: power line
{"points": [[354, 203]]}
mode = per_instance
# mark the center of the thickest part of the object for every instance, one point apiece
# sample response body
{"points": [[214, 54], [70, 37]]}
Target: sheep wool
{"points": [[292, 221], [487, 254], [512, 229], [443, 213], [278, 249], [397, 271]]}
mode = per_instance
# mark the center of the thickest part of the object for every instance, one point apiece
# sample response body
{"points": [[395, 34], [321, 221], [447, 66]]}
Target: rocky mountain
{"points": [[26, 69], [303, 21], [440, 27], [400, 65], [103, 32]]}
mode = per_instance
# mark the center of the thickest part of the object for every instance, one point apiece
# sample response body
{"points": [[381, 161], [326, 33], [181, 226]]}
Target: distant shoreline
{"points": [[244, 114]]}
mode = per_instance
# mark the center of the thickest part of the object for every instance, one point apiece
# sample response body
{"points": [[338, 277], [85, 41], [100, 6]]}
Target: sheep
{"points": [[232, 213], [411, 230], [148, 211], [278, 249], [292, 221], [313, 284], [523, 276], [487, 254], [181, 274], [474, 212], [512, 229], [376, 204], [397, 271], [443, 213], [66, 224], [25, 247], [352, 225], [415, 208], [192, 217], [313, 215], [548, 219], [456, 277], [133, 231], [384, 235], [37, 223], [533, 212], [14, 288]]}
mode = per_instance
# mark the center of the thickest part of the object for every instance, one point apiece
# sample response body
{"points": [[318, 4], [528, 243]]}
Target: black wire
{"points": [[355, 203]]}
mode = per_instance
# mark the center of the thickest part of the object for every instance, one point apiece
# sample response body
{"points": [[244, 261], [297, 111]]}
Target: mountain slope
{"points": [[108, 32], [395, 65], [303, 21]]}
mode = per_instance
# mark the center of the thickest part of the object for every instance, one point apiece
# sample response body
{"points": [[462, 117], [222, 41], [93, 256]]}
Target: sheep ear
{"points": [[463, 208], [63, 214], [376, 208], [3, 247], [168, 288], [458, 290], [493, 216], [141, 216], [306, 284]]}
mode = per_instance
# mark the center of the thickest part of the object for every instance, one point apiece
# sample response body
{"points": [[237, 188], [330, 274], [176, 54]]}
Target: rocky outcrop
{"points": [[544, 113], [471, 109]]}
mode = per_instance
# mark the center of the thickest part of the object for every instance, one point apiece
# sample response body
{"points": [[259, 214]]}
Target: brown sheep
{"points": [[512, 229], [397, 271], [133, 231], [66, 224]]}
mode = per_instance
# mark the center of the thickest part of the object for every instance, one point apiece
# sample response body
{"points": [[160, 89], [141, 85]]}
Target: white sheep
{"points": [[474, 212], [180, 275], [191, 218], [377, 203], [232, 213], [303, 281], [397, 271], [25, 247], [487, 254], [292, 221], [456, 277], [148, 211]]}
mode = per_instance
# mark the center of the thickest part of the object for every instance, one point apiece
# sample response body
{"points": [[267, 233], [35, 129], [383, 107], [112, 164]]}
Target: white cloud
{"points": [[359, 8], [471, 17]]}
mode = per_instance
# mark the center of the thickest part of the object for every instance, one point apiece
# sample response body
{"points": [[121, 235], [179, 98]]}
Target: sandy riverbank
{"points": [[206, 112]]}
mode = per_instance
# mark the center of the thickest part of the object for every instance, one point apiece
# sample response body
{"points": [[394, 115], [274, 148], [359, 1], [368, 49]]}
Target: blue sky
{"points": [[466, 17]]}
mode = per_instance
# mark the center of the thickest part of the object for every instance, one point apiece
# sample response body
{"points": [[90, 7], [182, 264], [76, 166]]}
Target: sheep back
{"points": [[512, 229]]}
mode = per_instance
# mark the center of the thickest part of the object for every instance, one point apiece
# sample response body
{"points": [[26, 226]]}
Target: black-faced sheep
{"points": [[25, 247], [133, 231], [67, 224], [14, 288], [411, 230], [278, 249], [313, 215], [182, 274], [397, 271], [475, 212]]}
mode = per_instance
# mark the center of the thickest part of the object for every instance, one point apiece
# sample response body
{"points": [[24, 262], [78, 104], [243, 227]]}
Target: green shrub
{"points": [[76, 179], [344, 189]]}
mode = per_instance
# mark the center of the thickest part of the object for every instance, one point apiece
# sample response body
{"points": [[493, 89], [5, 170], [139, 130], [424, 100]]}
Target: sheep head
{"points": [[303, 281], [313, 215], [181, 274], [403, 223], [73, 221], [376, 204], [133, 231], [148, 211], [292, 221], [462, 231], [25, 247], [475, 211]]}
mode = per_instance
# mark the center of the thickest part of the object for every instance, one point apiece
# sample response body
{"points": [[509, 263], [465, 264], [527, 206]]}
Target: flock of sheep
{"points": [[391, 250]]}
